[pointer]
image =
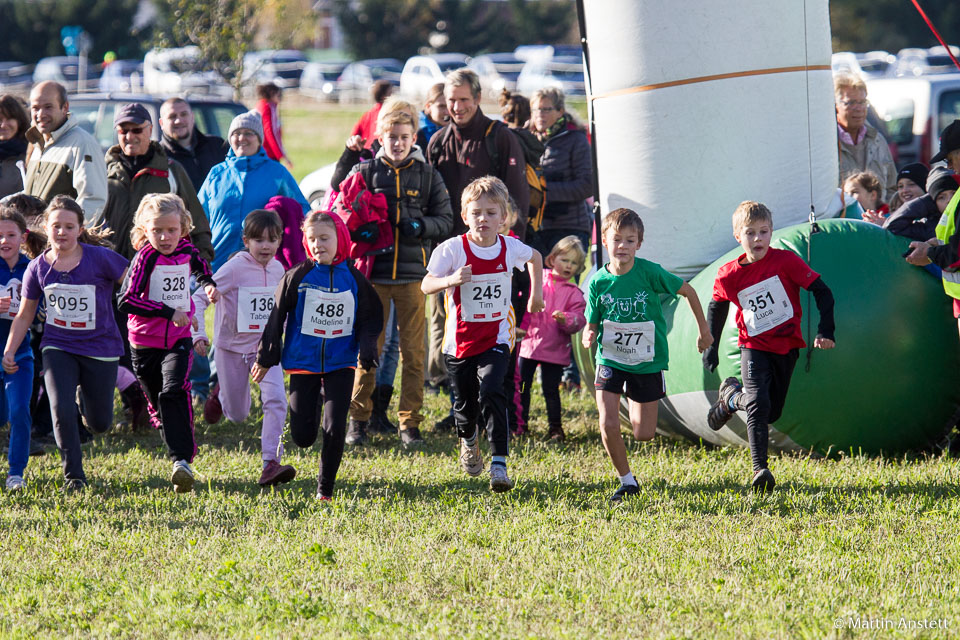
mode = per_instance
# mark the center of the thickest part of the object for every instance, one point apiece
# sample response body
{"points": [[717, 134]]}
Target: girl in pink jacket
{"points": [[547, 340], [247, 283], [156, 295]]}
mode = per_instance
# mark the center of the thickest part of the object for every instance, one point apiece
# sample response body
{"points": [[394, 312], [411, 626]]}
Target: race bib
{"points": [[12, 290], [254, 305], [629, 343], [71, 306], [765, 305], [486, 298], [170, 284], [327, 315]]}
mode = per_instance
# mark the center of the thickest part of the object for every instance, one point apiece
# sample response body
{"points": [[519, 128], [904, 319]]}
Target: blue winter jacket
{"points": [[10, 279], [298, 352], [234, 188]]}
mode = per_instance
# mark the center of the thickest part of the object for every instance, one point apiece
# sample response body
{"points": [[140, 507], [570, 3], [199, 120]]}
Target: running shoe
{"points": [[624, 491], [16, 483], [182, 477], [720, 413], [499, 481], [470, 460], [763, 481]]}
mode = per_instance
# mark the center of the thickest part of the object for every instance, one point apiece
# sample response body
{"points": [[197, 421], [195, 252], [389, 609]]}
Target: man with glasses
{"points": [[138, 166], [862, 147]]}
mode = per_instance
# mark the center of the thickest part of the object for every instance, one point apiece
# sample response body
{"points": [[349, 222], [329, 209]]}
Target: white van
{"points": [[180, 71], [915, 111]]}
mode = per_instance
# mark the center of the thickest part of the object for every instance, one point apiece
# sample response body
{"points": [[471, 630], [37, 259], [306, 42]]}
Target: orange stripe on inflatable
{"points": [[722, 76]]}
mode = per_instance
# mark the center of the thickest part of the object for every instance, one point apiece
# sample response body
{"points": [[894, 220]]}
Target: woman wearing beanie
{"points": [[244, 181]]}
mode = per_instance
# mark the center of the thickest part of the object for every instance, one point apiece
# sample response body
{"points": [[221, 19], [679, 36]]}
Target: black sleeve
{"points": [[824, 299], [369, 322], [438, 216], [200, 268], [947, 256], [916, 220], [716, 317], [284, 302], [347, 160]]}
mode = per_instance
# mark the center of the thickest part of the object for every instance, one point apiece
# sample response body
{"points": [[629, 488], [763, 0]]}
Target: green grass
{"points": [[413, 548]]}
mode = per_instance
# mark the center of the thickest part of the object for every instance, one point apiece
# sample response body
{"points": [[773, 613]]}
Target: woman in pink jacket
{"points": [[547, 340], [247, 283]]}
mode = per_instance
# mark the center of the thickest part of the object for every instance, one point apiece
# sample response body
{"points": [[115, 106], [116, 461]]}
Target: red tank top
{"points": [[481, 306]]}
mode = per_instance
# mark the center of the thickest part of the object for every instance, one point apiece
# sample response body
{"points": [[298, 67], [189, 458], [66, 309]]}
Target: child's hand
{"points": [[5, 304], [194, 323], [560, 317], [589, 335], [535, 303], [180, 319], [355, 143], [461, 276], [212, 294], [201, 345], [873, 217], [918, 257], [520, 333], [258, 373], [823, 343], [704, 340], [10, 363]]}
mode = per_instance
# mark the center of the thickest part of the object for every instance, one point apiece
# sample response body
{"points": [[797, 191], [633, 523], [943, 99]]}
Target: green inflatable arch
{"points": [[889, 386]]}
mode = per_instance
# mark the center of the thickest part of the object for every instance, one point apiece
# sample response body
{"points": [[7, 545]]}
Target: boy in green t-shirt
{"points": [[623, 306]]}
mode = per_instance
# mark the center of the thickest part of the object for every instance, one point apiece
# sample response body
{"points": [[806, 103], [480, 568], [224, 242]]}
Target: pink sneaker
{"points": [[212, 409], [276, 473]]}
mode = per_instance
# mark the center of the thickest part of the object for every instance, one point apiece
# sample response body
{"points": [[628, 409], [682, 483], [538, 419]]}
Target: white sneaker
{"points": [[16, 483], [499, 481], [182, 477], [470, 460]]}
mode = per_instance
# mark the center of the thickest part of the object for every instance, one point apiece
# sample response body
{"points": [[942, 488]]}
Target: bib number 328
{"points": [[170, 284], [328, 315]]}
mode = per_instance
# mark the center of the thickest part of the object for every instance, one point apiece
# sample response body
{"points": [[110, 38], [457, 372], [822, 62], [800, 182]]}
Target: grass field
{"points": [[413, 548]]}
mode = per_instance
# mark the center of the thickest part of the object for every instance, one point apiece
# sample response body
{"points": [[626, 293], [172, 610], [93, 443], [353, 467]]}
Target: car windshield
{"points": [[897, 115], [72, 71], [387, 71], [450, 65], [185, 65], [566, 68], [949, 108]]}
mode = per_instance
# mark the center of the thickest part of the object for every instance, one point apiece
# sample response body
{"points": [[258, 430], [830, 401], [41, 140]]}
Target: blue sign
{"points": [[70, 36]]}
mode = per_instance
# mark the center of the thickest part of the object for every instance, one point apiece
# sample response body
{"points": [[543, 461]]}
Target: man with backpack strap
{"points": [[461, 153]]}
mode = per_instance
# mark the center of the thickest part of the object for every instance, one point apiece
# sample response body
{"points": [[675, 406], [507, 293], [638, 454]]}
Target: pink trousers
{"points": [[233, 370]]}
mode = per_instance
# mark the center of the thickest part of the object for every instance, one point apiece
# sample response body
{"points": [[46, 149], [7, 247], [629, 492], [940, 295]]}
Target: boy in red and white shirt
{"points": [[764, 284], [474, 271]]}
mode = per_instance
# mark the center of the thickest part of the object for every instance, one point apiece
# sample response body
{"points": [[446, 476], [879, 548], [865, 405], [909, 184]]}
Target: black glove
{"points": [[368, 233], [411, 227], [711, 359], [368, 363]]}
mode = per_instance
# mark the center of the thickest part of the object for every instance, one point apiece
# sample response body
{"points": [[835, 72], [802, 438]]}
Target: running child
{"points": [[81, 343], [625, 318], [474, 272], [156, 295], [764, 285], [246, 283], [546, 343], [326, 316], [18, 386]]}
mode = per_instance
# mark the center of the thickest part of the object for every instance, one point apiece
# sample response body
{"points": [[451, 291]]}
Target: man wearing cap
{"points": [[62, 158], [943, 250], [180, 138], [862, 147], [244, 181], [138, 166]]}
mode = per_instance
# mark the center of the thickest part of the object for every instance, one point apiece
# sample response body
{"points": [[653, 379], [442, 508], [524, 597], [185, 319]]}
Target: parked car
{"points": [[180, 71], [915, 111], [66, 71], [282, 67], [564, 72], [95, 112], [357, 78], [319, 80], [122, 75], [918, 62], [497, 71], [316, 184], [422, 72], [15, 76]]}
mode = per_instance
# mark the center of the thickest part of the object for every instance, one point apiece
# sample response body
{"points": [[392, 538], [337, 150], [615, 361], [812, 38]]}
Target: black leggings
{"points": [[164, 375], [550, 375], [477, 383], [766, 380], [63, 372], [329, 393]]}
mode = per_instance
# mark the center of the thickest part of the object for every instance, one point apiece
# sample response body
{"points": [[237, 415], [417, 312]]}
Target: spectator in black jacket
{"points": [[184, 143], [917, 219]]}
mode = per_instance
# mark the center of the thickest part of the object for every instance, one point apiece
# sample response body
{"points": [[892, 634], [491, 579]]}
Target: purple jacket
{"points": [[546, 340], [291, 215], [153, 280]]}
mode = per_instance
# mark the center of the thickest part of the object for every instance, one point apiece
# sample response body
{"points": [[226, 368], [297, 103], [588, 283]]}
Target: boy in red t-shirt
{"points": [[764, 284]]}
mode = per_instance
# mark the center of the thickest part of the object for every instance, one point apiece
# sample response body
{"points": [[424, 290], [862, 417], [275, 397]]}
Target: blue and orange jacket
{"points": [[150, 323], [300, 353]]}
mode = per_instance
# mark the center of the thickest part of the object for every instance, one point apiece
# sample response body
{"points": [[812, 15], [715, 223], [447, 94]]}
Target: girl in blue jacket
{"points": [[333, 318]]}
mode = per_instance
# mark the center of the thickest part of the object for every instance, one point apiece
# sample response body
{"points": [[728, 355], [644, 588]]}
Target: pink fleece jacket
{"points": [[546, 339], [242, 270]]}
